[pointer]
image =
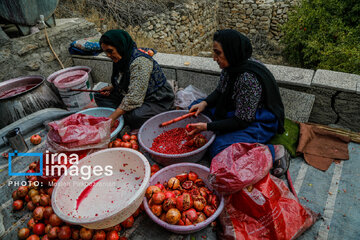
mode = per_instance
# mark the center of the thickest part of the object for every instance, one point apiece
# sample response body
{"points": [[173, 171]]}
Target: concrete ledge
{"points": [[291, 75], [336, 80]]}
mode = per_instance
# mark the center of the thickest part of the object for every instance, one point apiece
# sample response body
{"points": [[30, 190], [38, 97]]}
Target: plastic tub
{"points": [[112, 199], [164, 175], [151, 129], [105, 112]]}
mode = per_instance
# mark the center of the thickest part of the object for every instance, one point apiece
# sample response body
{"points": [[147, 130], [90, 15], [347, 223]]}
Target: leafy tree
{"points": [[324, 34]]}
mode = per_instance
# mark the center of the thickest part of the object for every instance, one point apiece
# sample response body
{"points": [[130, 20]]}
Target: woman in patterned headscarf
{"points": [[139, 88], [246, 105]]}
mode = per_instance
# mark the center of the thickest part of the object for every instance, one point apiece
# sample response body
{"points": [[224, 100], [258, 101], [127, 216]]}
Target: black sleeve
{"points": [[228, 125], [212, 98]]}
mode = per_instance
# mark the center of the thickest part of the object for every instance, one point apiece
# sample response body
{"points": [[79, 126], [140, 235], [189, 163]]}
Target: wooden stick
{"points": [[177, 119], [355, 137]]}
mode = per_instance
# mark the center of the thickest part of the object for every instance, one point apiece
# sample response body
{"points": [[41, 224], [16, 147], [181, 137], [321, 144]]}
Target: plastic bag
{"points": [[266, 211], [79, 132], [239, 166], [183, 98]]}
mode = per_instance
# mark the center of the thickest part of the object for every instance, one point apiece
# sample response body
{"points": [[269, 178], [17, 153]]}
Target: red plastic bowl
{"points": [[170, 171]]}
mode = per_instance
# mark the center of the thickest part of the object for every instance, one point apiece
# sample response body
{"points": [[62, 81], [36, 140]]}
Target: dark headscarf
{"points": [[237, 50], [125, 45]]}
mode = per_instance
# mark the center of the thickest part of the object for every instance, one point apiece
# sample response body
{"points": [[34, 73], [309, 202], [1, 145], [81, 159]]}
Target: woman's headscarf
{"points": [[237, 50], [125, 45]]}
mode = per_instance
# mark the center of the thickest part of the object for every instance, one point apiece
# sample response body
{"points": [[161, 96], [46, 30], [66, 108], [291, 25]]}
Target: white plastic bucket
{"points": [[77, 79]]}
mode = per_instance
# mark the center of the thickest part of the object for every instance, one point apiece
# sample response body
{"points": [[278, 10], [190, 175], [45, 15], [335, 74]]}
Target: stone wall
{"points": [[31, 55], [254, 16], [186, 28]]}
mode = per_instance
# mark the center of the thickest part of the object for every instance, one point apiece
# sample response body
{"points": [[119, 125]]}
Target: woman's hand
{"points": [[105, 91], [197, 128], [198, 107], [115, 115]]}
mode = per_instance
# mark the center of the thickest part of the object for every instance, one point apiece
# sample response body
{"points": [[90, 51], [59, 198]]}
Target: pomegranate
{"points": [[200, 141], [54, 220], [127, 145], [31, 223], [136, 213], [35, 139], [156, 209], [38, 213], [184, 202], [154, 168], [158, 198], [64, 233], [33, 192], [163, 217], [189, 128], [128, 223], [30, 206], [194, 192], [45, 200], [200, 218], [209, 210], [75, 234], [169, 203], [15, 196], [22, 191], [177, 193], [181, 223], [86, 234], [126, 137], [169, 194], [134, 146], [133, 137], [192, 176], [23, 233], [36, 200], [18, 205], [173, 183], [53, 233], [33, 237], [117, 143], [39, 228], [187, 185], [99, 235], [112, 235], [182, 177], [199, 203], [199, 182], [47, 212], [48, 228], [190, 214], [33, 165], [151, 190], [49, 191], [173, 216], [213, 201], [159, 185], [45, 237]]}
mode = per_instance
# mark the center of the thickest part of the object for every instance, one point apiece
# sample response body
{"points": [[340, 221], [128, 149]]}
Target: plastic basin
{"points": [[112, 199], [170, 171], [105, 112], [151, 129]]}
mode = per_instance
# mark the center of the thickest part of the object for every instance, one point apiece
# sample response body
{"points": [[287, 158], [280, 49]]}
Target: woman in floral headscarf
{"points": [[139, 88]]}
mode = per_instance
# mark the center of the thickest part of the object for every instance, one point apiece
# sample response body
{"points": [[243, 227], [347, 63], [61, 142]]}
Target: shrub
{"points": [[324, 34]]}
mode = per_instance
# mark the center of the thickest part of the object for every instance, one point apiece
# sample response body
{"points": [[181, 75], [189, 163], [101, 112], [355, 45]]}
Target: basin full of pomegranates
{"points": [[180, 198]]}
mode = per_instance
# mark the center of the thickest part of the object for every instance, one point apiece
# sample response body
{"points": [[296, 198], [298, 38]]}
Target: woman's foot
{"points": [[282, 162]]}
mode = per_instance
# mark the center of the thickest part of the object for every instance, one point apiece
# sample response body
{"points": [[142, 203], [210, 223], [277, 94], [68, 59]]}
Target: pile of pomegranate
{"points": [[182, 200], [45, 224], [127, 141]]}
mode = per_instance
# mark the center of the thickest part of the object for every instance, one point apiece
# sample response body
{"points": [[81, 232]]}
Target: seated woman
{"points": [[246, 106], [142, 90]]}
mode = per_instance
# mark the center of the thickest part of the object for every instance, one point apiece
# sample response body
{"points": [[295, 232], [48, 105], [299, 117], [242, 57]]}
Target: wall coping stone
{"points": [[283, 74]]}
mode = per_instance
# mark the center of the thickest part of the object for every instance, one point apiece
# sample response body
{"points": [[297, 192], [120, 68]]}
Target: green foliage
{"points": [[324, 34]]}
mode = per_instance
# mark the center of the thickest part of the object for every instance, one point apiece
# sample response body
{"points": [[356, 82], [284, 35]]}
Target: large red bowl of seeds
{"points": [[169, 144]]}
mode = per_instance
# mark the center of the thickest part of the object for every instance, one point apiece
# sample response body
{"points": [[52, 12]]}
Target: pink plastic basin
{"points": [[170, 171], [151, 129]]}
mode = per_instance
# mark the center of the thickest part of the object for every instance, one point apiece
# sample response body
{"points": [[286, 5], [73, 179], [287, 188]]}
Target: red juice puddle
{"points": [[16, 90], [85, 193]]}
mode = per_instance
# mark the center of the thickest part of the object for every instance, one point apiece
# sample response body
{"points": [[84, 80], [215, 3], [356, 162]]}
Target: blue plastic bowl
{"points": [[105, 112]]}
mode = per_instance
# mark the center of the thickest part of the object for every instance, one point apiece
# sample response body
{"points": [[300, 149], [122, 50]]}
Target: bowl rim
{"points": [[178, 228], [188, 154], [22, 78], [92, 220], [121, 118]]}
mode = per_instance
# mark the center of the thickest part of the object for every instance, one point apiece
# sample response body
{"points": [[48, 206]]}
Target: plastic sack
{"points": [[268, 210], [289, 138], [238, 166], [79, 132], [184, 97]]}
